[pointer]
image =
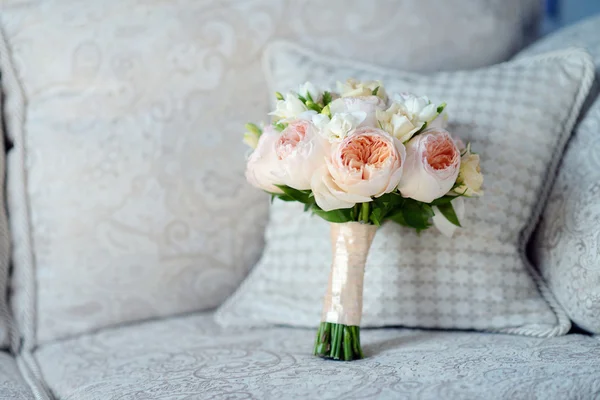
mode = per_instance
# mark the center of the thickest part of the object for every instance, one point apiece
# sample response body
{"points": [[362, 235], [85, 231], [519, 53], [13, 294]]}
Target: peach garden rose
{"points": [[300, 151], [432, 165], [367, 163]]}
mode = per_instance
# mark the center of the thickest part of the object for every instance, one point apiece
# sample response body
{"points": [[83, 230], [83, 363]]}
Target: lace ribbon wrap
{"points": [[350, 243]]}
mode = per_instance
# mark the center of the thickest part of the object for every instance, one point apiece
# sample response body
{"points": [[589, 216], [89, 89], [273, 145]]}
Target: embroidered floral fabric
{"points": [[567, 242], [193, 358]]}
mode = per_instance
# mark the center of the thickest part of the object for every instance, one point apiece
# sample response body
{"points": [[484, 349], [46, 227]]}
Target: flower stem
{"points": [[364, 212], [343, 342]]}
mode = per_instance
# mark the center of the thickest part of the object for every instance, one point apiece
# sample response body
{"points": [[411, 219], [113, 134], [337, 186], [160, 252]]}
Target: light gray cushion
{"points": [[585, 34], [566, 247], [192, 358], [518, 117], [12, 385]]}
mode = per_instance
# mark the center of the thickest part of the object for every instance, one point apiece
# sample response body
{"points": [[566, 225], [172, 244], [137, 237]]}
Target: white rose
{"points": [[407, 115], [431, 167], [338, 127], [349, 105], [300, 151], [367, 163], [289, 109], [355, 88], [446, 227], [263, 169]]}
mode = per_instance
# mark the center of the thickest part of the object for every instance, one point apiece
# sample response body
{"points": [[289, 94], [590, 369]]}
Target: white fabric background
{"points": [[126, 186]]}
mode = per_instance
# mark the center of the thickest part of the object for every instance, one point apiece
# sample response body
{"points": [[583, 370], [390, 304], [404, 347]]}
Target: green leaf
{"points": [[302, 99], [443, 200], [441, 108], [374, 92], [398, 218], [354, 211], [279, 96], [417, 215], [309, 97], [376, 216], [326, 98], [337, 216], [313, 106], [448, 211], [302, 196], [280, 196]]}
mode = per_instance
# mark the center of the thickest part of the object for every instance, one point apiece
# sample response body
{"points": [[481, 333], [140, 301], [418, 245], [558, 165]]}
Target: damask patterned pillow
{"points": [[566, 246], [518, 116], [126, 189]]}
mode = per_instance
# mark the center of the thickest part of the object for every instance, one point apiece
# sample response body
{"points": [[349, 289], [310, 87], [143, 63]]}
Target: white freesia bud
{"points": [[300, 151], [470, 178], [367, 163], [288, 109], [263, 169], [355, 88], [368, 105], [252, 135], [431, 167], [446, 227], [308, 90], [338, 127], [407, 115]]}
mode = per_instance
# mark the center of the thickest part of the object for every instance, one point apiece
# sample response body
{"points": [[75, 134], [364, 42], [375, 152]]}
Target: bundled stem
{"points": [[338, 342]]}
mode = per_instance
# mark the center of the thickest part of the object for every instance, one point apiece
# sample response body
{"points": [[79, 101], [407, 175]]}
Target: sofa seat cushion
{"points": [[193, 358], [12, 384]]}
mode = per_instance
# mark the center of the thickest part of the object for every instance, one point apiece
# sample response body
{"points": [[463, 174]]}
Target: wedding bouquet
{"points": [[358, 158]]}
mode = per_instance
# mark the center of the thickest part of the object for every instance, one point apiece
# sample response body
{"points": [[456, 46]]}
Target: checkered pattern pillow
{"points": [[518, 117]]}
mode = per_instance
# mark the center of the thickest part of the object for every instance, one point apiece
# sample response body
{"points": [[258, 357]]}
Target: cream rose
{"points": [[356, 88], [431, 167], [369, 105], [470, 178], [407, 115], [263, 169], [367, 163], [300, 150]]}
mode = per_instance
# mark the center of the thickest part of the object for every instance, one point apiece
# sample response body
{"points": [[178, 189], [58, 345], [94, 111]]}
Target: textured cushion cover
{"points": [[126, 187], [517, 116], [192, 358], [567, 243], [4, 250], [12, 384]]}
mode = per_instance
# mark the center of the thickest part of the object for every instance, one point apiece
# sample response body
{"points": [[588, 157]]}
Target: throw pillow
{"points": [[566, 247]]}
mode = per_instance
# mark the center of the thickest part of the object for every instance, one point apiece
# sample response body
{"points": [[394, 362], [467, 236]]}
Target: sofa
{"points": [[106, 300]]}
